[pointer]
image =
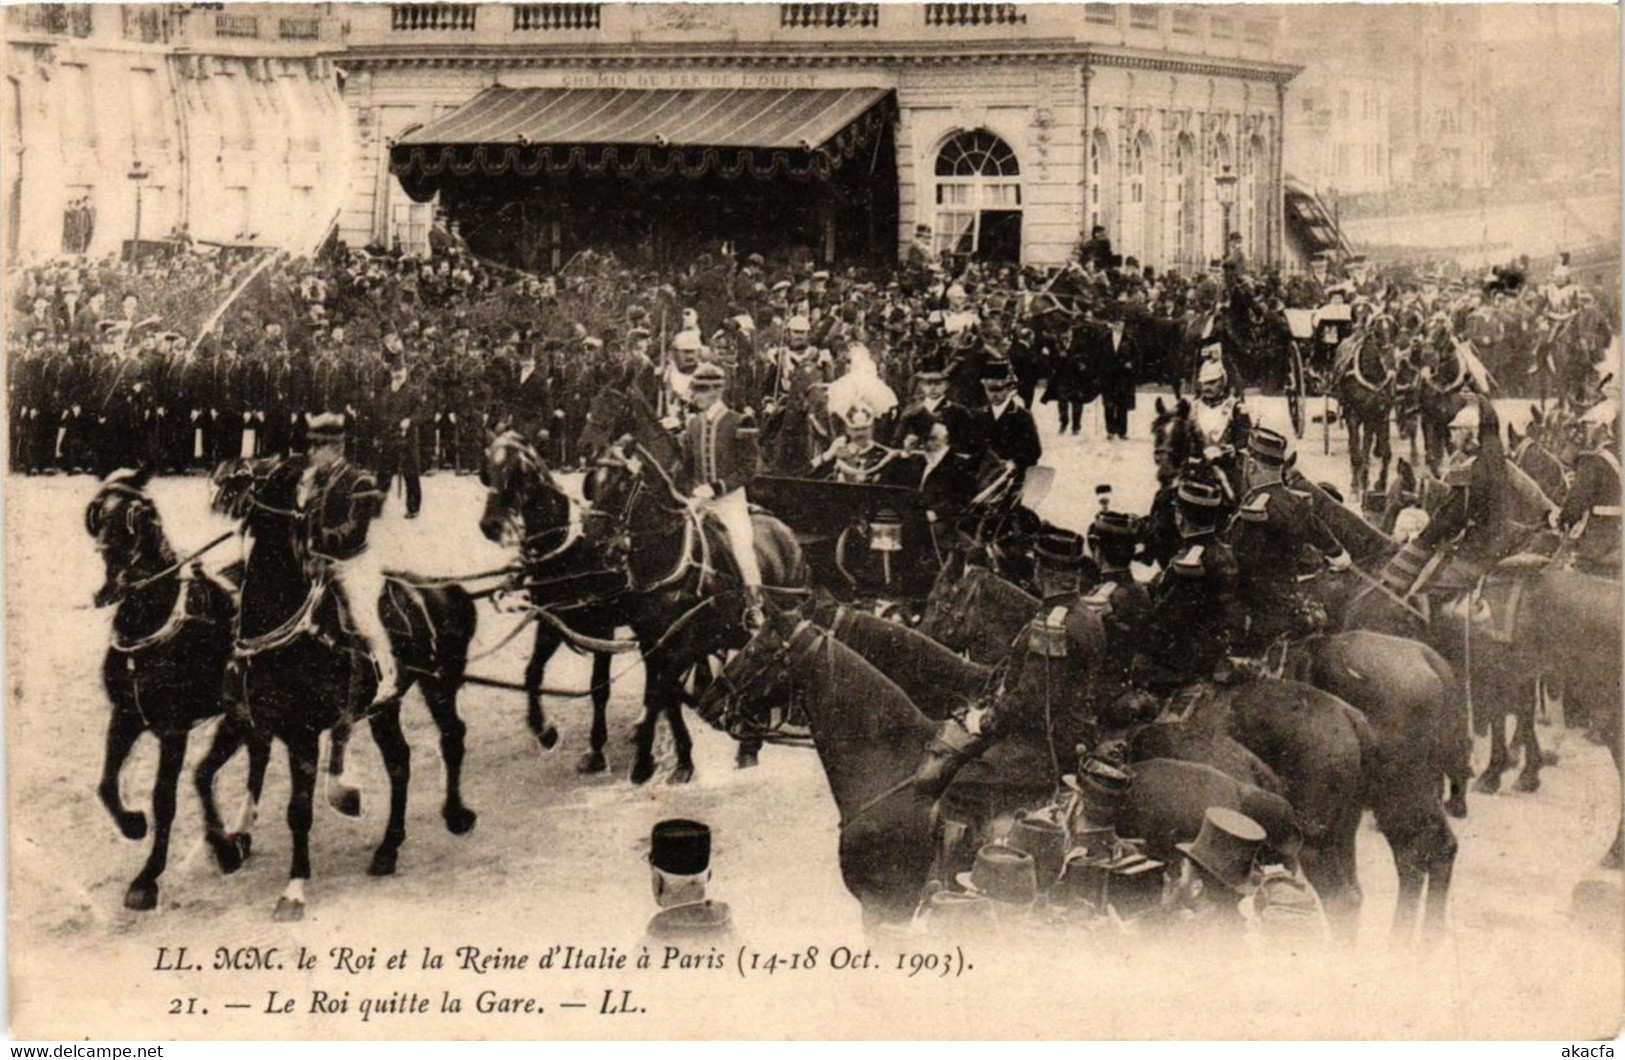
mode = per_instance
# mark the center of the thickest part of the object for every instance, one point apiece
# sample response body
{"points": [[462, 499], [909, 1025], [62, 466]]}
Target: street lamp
{"points": [[1225, 183], [137, 174]]}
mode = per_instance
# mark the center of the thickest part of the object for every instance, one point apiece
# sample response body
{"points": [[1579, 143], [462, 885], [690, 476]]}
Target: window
{"points": [[1142, 16], [77, 98], [149, 127], [1100, 14], [1102, 190], [1187, 23], [978, 185], [239, 213], [1224, 27]]}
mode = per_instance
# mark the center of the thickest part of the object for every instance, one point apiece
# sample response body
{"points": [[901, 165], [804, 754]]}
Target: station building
{"points": [[833, 128]]}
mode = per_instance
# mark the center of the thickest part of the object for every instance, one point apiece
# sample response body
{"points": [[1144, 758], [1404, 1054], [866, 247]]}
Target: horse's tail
{"points": [[1452, 736]]}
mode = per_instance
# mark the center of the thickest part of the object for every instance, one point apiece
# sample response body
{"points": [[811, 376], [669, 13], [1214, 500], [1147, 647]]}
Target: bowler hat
{"points": [[1003, 874], [680, 847], [1226, 846]]}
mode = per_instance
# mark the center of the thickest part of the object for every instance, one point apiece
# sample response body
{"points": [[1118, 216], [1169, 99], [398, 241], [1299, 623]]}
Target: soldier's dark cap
{"points": [[1267, 445], [1195, 493], [325, 427], [680, 846], [1114, 526], [1060, 548]]}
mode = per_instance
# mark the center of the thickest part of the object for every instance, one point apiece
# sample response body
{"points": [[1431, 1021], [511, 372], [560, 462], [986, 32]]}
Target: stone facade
{"points": [[1115, 114], [225, 123]]}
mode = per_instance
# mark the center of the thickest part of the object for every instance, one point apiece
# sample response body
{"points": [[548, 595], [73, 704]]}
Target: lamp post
{"points": [[1225, 183], [137, 174]]}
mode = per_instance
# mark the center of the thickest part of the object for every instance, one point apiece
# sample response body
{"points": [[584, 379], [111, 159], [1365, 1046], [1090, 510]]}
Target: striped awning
{"points": [[799, 132]]}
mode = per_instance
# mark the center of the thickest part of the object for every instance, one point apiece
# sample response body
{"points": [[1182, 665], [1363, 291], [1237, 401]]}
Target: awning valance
{"points": [[801, 133]]}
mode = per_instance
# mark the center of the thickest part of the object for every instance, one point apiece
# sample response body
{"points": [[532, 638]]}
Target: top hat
{"points": [[1059, 548], [931, 368], [1226, 846], [680, 847], [997, 370], [1003, 874], [1266, 445], [1045, 841], [325, 427]]}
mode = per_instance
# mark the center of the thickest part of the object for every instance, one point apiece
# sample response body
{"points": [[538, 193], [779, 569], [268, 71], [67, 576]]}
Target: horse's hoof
{"points": [[231, 851], [642, 770], [548, 738], [681, 775], [142, 896], [383, 863], [1456, 806], [133, 826], [592, 762], [461, 820], [345, 799], [288, 910], [1488, 784], [745, 760], [1549, 759], [1527, 782]]}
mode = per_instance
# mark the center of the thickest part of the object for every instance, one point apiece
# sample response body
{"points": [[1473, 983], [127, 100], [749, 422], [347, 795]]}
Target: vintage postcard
{"points": [[812, 520]]}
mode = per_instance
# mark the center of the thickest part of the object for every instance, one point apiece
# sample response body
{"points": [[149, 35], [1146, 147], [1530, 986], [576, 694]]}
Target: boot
{"points": [[945, 754]]}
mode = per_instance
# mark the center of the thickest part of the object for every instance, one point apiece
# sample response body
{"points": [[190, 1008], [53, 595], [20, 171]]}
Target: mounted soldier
{"points": [[337, 504], [1278, 539], [1222, 423], [1124, 607], [720, 459], [1591, 511], [1048, 690], [1196, 605]]}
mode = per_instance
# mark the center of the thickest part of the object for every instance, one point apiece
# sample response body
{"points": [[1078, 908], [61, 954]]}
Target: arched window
{"points": [[1140, 213], [1187, 204], [1255, 195], [1102, 196], [1223, 156], [979, 197]]}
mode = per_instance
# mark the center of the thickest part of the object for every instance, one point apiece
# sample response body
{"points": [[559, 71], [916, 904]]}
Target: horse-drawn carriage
{"points": [[1316, 334]]}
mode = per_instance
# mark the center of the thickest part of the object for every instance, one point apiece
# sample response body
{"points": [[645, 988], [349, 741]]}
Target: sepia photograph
{"points": [[916, 521]]}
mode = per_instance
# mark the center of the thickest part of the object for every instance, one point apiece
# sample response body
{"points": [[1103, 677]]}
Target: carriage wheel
{"points": [[1297, 389]]}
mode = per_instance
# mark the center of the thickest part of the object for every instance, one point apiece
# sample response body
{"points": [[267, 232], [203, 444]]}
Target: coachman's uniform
{"points": [[720, 452], [338, 502]]}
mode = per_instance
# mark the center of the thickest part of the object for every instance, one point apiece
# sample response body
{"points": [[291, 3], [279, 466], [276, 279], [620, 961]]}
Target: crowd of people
{"points": [[184, 359]]}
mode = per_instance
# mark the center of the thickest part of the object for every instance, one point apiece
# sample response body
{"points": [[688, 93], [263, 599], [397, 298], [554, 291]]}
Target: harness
{"points": [[178, 617], [300, 623]]}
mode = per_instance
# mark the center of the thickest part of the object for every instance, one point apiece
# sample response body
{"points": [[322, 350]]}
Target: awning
{"points": [[802, 133]]}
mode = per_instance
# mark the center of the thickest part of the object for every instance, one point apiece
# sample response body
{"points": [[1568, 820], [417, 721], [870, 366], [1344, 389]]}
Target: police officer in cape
{"points": [[679, 872], [1047, 691]]}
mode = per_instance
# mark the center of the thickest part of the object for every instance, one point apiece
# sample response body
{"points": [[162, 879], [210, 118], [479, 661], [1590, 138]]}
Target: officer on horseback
{"points": [[337, 503], [1196, 605], [1048, 689], [1277, 537], [1123, 606], [720, 459], [1221, 422]]}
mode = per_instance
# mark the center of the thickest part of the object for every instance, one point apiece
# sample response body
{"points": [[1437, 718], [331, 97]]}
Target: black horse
{"points": [[171, 636], [1363, 382], [683, 598], [525, 508], [291, 675]]}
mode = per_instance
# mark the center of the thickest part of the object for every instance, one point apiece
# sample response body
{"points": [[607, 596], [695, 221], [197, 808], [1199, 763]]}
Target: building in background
{"points": [[1419, 69], [835, 128], [222, 122]]}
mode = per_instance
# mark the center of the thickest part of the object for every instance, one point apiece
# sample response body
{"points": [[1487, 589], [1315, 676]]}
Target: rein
{"points": [[180, 564]]}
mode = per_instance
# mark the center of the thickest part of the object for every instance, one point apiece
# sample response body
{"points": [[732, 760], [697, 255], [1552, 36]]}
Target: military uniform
{"points": [[1122, 605], [1595, 525], [1196, 605]]}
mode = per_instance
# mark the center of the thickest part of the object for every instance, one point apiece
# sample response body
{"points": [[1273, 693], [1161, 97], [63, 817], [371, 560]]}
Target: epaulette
{"points": [[1189, 562], [1099, 600], [1256, 510], [1302, 495]]}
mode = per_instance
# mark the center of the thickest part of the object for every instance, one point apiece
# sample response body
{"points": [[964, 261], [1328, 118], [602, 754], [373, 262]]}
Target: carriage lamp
{"points": [[886, 537]]}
